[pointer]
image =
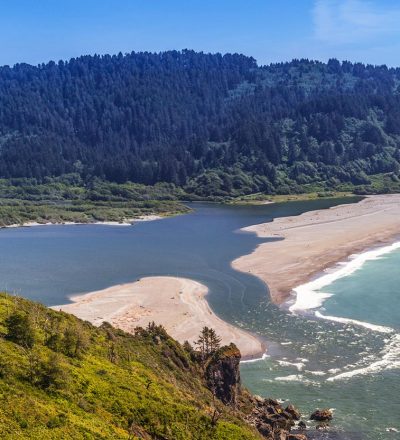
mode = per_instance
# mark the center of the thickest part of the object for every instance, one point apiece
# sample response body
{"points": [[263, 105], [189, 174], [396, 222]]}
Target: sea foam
{"points": [[298, 365], [369, 326], [388, 359], [297, 378], [251, 361], [309, 295]]}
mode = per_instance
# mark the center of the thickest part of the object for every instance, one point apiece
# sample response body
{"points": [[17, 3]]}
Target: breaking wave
{"points": [[388, 359], [309, 295]]}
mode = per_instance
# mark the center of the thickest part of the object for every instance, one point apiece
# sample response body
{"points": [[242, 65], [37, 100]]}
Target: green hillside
{"points": [[61, 378]]}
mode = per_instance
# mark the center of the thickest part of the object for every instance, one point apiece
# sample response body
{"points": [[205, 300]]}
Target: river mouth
{"points": [[50, 263]]}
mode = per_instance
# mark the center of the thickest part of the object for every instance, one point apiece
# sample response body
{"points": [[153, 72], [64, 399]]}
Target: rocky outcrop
{"points": [[322, 415], [274, 421], [223, 375], [294, 412], [302, 425]]}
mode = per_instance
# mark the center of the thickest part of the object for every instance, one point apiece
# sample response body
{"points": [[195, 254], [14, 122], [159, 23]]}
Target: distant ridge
{"points": [[214, 124]]}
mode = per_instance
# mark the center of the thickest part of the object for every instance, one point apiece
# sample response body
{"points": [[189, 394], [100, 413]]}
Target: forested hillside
{"points": [[213, 124], [61, 378]]}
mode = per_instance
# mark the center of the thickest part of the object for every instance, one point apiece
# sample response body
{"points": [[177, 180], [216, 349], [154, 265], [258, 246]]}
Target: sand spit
{"points": [[178, 304], [127, 222]]}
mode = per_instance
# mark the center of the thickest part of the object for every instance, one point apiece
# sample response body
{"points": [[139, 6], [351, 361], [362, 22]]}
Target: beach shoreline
{"points": [[179, 304], [308, 245], [127, 222], [308, 296]]}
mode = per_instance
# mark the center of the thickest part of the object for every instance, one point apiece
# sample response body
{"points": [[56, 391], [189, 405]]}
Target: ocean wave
{"points": [[369, 326], [316, 373], [290, 378], [298, 365], [388, 359], [309, 295], [391, 429], [296, 378], [250, 361]]}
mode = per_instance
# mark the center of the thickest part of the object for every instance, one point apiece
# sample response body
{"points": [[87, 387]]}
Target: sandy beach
{"points": [[178, 304], [127, 222], [316, 240]]}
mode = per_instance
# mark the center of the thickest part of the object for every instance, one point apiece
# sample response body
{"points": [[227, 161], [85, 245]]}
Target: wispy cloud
{"points": [[354, 21]]}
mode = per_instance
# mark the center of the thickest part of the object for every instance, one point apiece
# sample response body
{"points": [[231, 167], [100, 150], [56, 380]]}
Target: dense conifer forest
{"points": [[213, 124]]}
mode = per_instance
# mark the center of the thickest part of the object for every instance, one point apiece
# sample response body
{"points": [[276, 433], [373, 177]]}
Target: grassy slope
{"points": [[118, 386]]}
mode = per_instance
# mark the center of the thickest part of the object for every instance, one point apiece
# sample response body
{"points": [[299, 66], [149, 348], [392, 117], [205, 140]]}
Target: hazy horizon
{"points": [[353, 30], [197, 51]]}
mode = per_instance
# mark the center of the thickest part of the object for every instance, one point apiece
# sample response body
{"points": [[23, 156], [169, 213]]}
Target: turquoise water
{"points": [[371, 294], [52, 262], [362, 380]]}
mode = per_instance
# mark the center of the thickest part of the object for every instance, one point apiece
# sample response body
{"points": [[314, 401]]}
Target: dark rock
{"points": [[272, 410], [294, 412], [271, 420], [264, 429], [223, 375], [259, 400], [296, 437], [285, 424], [272, 402], [280, 435], [322, 415], [273, 414], [302, 425], [286, 415]]}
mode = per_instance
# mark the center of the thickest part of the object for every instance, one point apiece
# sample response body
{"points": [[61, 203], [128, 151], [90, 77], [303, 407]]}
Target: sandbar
{"points": [[125, 222], [178, 304]]}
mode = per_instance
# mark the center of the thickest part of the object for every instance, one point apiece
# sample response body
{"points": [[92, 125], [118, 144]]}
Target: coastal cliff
{"points": [[223, 374], [268, 416], [61, 377]]}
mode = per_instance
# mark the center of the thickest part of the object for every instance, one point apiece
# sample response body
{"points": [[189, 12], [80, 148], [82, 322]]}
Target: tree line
{"points": [[213, 124]]}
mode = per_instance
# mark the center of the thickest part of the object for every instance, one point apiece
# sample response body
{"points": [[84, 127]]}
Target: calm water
{"points": [[306, 354]]}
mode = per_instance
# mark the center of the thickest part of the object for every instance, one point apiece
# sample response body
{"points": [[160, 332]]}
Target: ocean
{"points": [[350, 350], [342, 354]]}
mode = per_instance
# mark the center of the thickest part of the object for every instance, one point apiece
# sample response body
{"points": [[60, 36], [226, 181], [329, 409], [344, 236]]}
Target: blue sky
{"points": [[35, 31]]}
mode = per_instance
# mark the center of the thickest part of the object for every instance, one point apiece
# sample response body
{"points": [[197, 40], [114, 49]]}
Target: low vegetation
{"points": [[376, 184], [69, 199], [62, 378]]}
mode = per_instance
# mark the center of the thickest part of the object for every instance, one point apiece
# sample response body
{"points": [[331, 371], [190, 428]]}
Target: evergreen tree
{"points": [[20, 329]]}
